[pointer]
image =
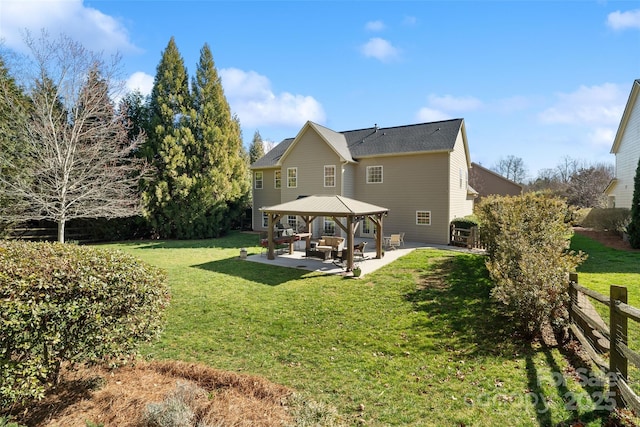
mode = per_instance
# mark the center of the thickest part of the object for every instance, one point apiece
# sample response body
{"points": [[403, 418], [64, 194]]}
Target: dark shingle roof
{"points": [[423, 137]]}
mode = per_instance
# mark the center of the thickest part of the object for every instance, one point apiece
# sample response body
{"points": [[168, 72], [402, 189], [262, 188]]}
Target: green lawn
{"points": [[418, 342]]}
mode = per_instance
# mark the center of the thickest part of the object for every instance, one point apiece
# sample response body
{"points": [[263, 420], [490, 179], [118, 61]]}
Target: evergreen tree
{"points": [[217, 161], [256, 150], [14, 112], [169, 143], [134, 109], [633, 229]]}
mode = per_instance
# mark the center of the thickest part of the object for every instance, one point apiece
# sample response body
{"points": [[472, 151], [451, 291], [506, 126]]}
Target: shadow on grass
{"points": [[455, 295], [587, 405], [234, 239], [265, 274]]}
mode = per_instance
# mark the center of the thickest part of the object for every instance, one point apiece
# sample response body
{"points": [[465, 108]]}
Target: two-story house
{"points": [[626, 147], [419, 172]]}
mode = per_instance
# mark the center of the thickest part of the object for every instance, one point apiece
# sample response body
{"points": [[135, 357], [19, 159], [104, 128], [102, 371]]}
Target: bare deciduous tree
{"points": [[511, 167], [80, 160]]}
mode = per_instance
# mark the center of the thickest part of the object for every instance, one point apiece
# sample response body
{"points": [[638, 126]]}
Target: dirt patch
{"points": [[610, 239], [120, 397]]}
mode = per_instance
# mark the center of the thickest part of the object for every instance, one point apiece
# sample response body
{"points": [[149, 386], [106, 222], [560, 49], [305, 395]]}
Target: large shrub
{"points": [[633, 229], [607, 219], [70, 303], [527, 241]]}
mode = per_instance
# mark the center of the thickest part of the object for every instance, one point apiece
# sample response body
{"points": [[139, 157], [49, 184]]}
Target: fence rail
{"points": [[40, 233], [467, 237], [598, 338]]}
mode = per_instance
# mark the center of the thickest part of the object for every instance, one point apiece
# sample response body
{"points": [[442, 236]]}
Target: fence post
{"points": [[618, 328], [573, 294]]}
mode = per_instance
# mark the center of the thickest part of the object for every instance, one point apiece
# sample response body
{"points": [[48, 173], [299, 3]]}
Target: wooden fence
{"points": [[599, 339], [467, 237], [41, 232]]}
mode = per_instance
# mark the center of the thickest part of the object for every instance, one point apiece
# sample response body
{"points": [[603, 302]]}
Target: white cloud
{"points": [[252, 99], [592, 106], [380, 49], [602, 137], [446, 107], [426, 114], [451, 103], [95, 30], [375, 26], [623, 20], [140, 81]]}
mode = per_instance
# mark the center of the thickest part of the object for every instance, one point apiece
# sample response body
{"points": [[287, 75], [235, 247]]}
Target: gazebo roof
{"points": [[334, 205]]}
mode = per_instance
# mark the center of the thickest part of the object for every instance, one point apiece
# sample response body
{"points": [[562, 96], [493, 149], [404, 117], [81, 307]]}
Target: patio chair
{"points": [[402, 239], [358, 250], [394, 241]]}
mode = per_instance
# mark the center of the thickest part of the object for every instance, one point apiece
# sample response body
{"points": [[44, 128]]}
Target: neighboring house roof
{"points": [[325, 206], [488, 182], [635, 91], [375, 142]]}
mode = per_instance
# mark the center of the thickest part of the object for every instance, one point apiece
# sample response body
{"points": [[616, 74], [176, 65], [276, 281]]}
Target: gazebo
{"points": [[337, 207]]}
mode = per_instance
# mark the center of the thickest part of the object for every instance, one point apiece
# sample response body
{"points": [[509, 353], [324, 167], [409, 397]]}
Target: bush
{"points": [[527, 241], [608, 219], [70, 303], [466, 222], [633, 229]]}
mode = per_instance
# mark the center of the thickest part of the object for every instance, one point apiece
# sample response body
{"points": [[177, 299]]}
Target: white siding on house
{"points": [[627, 159]]}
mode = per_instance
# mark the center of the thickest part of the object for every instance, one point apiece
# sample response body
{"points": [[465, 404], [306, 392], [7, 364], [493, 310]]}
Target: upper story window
{"points": [[330, 176], [374, 174], [292, 177], [277, 179], [423, 217], [258, 178]]}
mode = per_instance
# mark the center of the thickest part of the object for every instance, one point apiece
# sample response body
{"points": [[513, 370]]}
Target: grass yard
{"points": [[418, 342]]}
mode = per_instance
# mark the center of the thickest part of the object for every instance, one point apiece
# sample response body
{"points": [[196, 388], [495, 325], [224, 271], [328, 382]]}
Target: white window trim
{"points": [[419, 223], [275, 179], [296, 173], [255, 180], [381, 174], [326, 176], [328, 221], [265, 220]]}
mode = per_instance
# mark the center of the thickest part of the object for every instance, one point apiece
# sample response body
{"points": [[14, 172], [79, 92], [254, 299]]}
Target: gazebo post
{"points": [[271, 244], [350, 233], [378, 223]]}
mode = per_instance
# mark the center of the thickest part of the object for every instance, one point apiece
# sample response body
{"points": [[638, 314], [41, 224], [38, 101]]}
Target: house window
{"points": [[292, 221], [258, 177], [374, 174], [292, 177], [329, 228], [423, 217], [330, 176], [367, 226], [277, 179], [265, 220]]}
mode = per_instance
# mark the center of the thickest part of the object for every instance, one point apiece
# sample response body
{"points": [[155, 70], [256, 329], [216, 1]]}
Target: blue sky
{"points": [[539, 80]]}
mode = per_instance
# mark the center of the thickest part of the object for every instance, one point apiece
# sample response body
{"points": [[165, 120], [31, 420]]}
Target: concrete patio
{"points": [[368, 265]]}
